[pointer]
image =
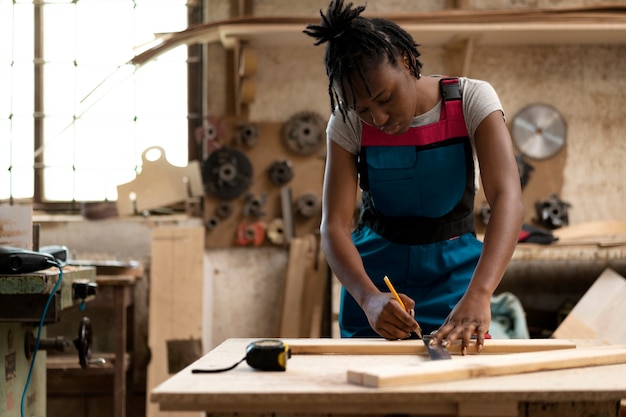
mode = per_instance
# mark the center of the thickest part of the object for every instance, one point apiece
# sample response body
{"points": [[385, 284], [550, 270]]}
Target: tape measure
{"points": [[268, 355], [264, 355]]}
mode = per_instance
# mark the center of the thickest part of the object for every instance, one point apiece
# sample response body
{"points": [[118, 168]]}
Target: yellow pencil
{"points": [[395, 294]]}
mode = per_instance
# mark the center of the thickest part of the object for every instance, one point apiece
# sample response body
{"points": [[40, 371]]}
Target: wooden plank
{"points": [[176, 290], [416, 347], [294, 285], [600, 313], [482, 365], [602, 228]]}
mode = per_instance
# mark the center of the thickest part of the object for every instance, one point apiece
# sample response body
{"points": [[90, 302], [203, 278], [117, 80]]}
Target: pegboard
{"points": [[268, 148]]}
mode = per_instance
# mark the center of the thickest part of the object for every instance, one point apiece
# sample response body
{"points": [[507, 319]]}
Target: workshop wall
{"points": [[582, 82]]}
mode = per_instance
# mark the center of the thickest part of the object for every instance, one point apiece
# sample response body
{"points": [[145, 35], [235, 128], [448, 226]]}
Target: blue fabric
{"points": [[434, 275], [408, 182]]}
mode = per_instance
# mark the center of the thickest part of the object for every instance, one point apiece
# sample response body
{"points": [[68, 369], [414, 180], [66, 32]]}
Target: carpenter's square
{"points": [[435, 351]]}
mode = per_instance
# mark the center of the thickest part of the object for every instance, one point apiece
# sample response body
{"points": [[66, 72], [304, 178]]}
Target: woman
{"points": [[410, 143]]}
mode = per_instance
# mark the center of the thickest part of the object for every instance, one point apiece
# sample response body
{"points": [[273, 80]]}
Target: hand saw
{"points": [[436, 351]]}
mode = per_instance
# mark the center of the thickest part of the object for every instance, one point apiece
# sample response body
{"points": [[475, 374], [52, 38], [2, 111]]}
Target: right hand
{"points": [[387, 317]]}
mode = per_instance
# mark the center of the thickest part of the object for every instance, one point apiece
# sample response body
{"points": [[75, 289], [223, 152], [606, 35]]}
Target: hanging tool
{"points": [[263, 355], [304, 133], [227, 173]]}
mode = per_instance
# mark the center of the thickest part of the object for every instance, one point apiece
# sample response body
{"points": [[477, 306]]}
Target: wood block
{"points": [[468, 367], [600, 313]]}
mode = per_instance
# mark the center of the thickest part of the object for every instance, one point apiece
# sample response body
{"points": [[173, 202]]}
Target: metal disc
{"points": [[304, 133], [226, 173], [538, 131]]}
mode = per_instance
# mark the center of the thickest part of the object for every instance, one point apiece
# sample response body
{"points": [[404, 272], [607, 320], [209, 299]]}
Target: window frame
{"points": [[195, 109]]}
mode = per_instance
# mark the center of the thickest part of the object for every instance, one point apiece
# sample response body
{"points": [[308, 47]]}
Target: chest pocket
{"points": [[405, 181]]}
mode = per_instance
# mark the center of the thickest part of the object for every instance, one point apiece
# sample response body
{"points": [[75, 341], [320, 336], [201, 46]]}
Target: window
{"points": [[74, 117]]}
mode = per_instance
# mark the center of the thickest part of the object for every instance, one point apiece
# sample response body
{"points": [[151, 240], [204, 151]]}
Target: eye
{"points": [[386, 100]]}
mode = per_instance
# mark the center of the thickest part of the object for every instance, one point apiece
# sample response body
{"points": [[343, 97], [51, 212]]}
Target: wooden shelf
{"points": [[578, 25]]}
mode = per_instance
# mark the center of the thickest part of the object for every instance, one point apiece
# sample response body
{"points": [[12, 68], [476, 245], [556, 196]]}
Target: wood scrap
{"points": [[483, 365], [600, 313], [299, 256], [603, 233], [305, 285]]}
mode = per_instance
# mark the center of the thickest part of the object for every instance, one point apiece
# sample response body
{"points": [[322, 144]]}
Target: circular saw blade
{"points": [[538, 131]]}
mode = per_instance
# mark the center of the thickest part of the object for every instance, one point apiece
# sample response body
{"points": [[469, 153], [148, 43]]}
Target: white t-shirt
{"points": [[479, 100]]}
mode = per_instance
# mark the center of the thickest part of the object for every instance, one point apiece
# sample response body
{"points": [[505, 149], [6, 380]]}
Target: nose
{"points": [[379, 117]]}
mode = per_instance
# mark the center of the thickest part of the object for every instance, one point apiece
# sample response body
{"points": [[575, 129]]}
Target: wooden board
{"points": [[304, 288], [600, 313], [602, 233], [159, 184], [176, 292], [482, 365], [416, 347]]}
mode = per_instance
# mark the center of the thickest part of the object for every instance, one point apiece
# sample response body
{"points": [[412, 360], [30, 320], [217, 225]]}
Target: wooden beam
{"points": [[458, 56], [416, 346], [484, 365]]}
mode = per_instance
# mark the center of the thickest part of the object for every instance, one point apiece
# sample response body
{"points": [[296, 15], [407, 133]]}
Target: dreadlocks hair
{"points": [[355, 44]]}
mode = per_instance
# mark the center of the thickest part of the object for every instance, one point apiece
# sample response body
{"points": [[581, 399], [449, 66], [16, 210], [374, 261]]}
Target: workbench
{"points": [[116, 281], [316, 384]]}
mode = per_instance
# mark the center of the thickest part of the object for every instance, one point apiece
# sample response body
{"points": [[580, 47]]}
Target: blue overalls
{"points": [[416, 224]]}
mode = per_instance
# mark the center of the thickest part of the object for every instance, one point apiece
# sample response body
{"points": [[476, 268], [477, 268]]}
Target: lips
{"points": [[391, 129]]}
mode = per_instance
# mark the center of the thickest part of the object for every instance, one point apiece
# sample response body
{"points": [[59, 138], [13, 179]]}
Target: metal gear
{"points": [[553, 212], [247, 134], [307, 205], [227, 173], [280, 172], [304, 133]]}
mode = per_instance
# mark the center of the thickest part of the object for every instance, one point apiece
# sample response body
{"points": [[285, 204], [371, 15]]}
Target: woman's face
{"points": [[392, 103]]}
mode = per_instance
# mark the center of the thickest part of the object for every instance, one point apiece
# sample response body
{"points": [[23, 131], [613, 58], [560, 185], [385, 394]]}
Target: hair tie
{"points": [[338, 35]]}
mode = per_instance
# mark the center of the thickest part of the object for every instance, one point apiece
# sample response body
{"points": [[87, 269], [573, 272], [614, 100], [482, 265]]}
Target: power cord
{"points": [[41, 321]]}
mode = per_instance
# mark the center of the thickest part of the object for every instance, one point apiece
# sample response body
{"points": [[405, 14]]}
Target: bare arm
{"points": [[500, 177], [385, 314]]}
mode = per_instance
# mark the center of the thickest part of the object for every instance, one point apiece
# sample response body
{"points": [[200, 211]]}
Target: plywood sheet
{"points": [[469, 367], [600, 313], [176, 291], [159, 184]]}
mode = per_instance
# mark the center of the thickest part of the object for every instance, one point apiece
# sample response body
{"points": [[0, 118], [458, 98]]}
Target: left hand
{"points": [[471, 316]]}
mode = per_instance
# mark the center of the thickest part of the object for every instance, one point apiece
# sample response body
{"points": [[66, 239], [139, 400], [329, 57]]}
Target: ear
{"points": [[405, 60]]}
